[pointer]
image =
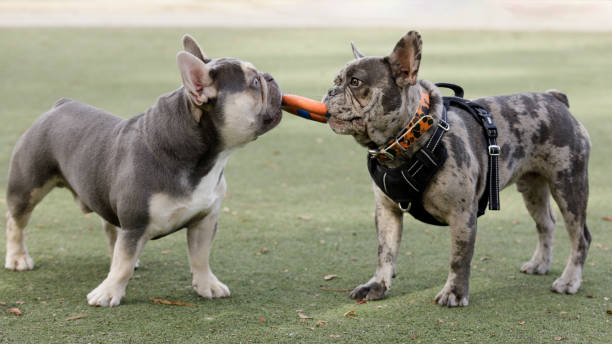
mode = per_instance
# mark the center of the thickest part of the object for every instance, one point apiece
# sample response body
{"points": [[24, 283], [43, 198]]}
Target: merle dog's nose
{"points": [[332, 91], [268, 77]]}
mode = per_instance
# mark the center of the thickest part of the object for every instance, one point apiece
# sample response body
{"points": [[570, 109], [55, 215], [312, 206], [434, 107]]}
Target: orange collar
{"points": [[419, 125]]}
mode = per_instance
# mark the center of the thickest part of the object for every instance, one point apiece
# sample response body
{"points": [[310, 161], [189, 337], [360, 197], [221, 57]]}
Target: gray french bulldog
{"points": [[544, 151], [146, 176]]}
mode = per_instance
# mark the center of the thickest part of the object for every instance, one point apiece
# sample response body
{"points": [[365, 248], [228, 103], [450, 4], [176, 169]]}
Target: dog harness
{"points": [[406, 184]]}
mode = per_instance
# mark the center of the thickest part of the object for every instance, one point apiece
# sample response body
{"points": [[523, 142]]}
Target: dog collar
{"points": [[420, 123]]}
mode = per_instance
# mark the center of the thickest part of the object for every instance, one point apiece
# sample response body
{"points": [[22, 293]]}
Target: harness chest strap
{"points": [[406, 184]]}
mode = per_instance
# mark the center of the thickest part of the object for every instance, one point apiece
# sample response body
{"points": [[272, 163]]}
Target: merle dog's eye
{"points": [[256, 82], [355, 82]]}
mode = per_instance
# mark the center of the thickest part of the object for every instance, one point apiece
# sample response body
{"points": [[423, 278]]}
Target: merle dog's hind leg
{"points": [[571, 196], [536, 195]]}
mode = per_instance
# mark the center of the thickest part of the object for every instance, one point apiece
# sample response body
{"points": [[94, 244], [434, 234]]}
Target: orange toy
{"points": [[305, 108]]}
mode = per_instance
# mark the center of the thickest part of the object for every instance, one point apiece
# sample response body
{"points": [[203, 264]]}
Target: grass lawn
{"points": [[300, 204]]}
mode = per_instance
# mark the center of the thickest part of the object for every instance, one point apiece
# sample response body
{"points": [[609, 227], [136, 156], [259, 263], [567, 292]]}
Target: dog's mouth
{"points": [[348, 126]]}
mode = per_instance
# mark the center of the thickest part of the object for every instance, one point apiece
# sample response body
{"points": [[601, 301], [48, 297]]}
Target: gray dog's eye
{"points": [[256, 82], [355, 82]]}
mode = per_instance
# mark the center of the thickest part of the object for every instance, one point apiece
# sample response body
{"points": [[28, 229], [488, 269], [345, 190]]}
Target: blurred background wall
{"points": [[561, 15]]}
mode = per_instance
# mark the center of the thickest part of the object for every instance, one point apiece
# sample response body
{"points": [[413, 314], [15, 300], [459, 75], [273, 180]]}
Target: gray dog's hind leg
{"points": [[536, 195], [389, 220], [17, 256], [22, 197]]}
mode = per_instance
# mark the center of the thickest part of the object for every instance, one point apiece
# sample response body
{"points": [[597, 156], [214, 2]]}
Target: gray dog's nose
{"points": [[268, 77]]}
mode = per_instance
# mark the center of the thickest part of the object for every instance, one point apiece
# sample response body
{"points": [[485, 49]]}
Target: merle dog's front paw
{"points": [[536, 267], [566, 285], [448, 297], [369, 291]]}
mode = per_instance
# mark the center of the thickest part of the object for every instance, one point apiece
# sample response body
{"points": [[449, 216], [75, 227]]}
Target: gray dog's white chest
{"points": [[167, 213]]}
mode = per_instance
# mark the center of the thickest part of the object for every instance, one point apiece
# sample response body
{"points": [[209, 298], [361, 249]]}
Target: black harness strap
{"points": [[406, 183], [483, 116]]}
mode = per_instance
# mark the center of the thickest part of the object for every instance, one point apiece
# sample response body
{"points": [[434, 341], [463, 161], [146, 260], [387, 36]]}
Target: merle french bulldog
{"points": [[146, 176], [544, 151]]}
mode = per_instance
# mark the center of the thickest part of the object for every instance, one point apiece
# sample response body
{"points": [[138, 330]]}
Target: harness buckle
{"points": [[443, 125], [494, 150], [399, 205], [375, 153]]}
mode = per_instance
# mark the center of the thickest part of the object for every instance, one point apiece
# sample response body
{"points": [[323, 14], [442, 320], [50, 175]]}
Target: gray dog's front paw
{"points": [[19, 262], [369, 291], [450, 298]]}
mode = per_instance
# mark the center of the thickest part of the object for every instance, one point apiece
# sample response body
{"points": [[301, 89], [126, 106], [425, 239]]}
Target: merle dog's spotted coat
{"points": [[544, 151]]}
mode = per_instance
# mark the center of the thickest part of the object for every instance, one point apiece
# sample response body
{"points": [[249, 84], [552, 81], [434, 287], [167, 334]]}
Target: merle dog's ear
{"points": [[196, 78], [406, 58], [191, 46], [356, 52]]}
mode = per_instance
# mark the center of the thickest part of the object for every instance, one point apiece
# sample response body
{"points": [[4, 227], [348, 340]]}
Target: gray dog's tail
{"points": [[559, 95]]}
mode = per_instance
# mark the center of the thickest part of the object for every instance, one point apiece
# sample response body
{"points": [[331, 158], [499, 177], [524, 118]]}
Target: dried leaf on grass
{"points": [[607, 218], [304, 217], [362, 301], [303, 316], [335, 336], [15, 311], [558, 339], [171, 303], [329, 277], [80, 316], [609, 311], [320, 323], [351, 314]]}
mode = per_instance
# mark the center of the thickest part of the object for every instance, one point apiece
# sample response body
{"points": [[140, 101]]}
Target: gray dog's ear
{"points": [[191, 46], [406, 58], [196, 78], [356, 52]]}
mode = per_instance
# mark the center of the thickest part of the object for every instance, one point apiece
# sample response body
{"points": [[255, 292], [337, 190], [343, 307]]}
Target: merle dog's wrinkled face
{"points": [[369, 96], [245, 102]]}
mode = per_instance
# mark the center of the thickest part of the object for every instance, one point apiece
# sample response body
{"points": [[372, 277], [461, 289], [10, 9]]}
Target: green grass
{"points": [[301, 169]]}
